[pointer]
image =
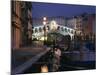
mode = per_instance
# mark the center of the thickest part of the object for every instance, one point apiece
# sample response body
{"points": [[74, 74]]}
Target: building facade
{"points": [[26, 16], [71, 22], [16, 24], [21, 23], [83, 24], [89, 23]]}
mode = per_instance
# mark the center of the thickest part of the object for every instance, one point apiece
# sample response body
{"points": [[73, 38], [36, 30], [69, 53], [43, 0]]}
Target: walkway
{"points": [[25, 57]]}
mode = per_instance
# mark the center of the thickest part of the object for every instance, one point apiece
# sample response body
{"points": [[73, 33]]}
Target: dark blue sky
{"points": [[67, 10]]}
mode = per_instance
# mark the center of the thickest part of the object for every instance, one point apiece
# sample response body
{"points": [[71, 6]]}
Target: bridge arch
{"points": [[64, 30]]}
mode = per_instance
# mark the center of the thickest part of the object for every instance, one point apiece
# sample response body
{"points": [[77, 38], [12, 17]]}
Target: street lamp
{"points": [[44, 18], [45, 33]]}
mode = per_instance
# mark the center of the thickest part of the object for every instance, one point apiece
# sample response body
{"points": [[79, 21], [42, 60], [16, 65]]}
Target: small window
{"points": [[65, 29], [69, 30], [48, 27], [62, 28], [40, 29], [58, 28], [72, 31]]}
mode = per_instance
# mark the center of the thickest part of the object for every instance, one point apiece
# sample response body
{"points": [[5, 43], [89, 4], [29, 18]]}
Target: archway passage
{"points": [[58, 39], [54, 37]]}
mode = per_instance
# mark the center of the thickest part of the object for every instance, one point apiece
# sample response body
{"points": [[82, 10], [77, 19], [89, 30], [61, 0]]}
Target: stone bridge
{"points": [[39, 31]]}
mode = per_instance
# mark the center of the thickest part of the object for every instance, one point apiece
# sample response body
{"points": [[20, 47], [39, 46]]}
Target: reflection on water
{"points": [[66, 64]]}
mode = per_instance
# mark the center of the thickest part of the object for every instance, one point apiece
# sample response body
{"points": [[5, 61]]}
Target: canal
{"points": [[66, 64]]}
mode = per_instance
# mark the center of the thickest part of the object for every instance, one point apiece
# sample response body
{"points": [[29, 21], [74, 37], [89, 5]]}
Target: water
{"points": [[66, 64]]}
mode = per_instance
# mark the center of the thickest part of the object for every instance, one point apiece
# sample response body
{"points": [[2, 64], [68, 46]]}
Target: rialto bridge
{"points": [[39, 31]]}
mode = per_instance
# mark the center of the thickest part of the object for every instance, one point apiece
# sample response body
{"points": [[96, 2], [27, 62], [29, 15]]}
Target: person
{"points": [[57, 54], [56, 59]]}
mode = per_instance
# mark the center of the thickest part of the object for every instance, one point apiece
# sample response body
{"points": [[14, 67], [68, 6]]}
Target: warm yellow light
{"points": [[42, 38], [44, 68]]}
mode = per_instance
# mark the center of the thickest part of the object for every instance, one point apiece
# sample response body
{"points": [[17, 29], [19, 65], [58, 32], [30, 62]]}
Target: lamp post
{"points": [[45, 33]]}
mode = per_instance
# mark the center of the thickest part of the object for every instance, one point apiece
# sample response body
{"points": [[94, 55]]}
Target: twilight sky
{"points": [[67, 10]]}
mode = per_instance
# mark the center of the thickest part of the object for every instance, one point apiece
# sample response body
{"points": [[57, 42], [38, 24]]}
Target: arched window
{"points": [[58, 28], [36, 30], [72, 31], [65, 29], [48, 28], [62, 28], [40, 29], [69, 30]]}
